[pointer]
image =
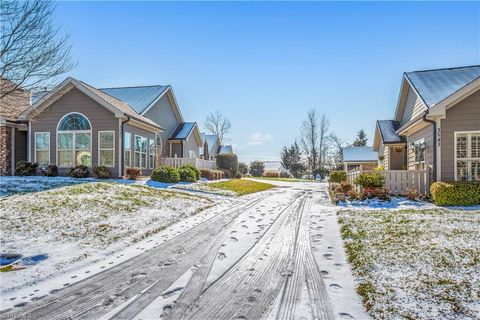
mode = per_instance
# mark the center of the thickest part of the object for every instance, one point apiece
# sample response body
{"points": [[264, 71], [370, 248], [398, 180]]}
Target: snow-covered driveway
{"points": [[253, 260]]}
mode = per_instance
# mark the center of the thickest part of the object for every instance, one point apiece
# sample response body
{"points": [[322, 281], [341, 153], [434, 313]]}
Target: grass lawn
{"points": [[415, 264], [241, 186], [283, 179]]}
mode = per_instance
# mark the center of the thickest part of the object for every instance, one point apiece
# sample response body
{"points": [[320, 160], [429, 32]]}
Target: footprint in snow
{"points": [[244, 226], [344, 315], [221, 255], [233, 239], [324, 272]]}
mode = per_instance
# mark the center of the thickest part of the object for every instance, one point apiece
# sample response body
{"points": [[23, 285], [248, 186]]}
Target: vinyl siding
{"points": [[143, 133], [464, 116], [413, 107], [162, 113], [427, 133], [386, 157], [177, 149], [100, 118], [191, 144]]}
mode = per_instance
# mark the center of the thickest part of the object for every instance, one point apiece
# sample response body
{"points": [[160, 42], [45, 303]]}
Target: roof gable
{"points": [[183, 131], [211, 140], [139, 98], [433, 86], [225, 149], [387, 130]]}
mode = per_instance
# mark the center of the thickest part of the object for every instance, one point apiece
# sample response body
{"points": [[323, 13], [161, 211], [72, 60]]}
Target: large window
{"points": [[42, 148], [127, 148], [106, 148], [151, 153], [74, 141], [467, 156], [140, 152]]}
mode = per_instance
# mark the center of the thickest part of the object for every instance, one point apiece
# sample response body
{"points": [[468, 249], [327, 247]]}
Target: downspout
{"points": [[434, 126], [122, 148]]}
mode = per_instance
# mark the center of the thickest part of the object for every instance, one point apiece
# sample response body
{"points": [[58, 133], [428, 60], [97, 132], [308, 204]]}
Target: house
{"points": [[436, 126], [12, 131], [225, 149], [359, 158], [275, 166], [211, 146], [77, 124]]}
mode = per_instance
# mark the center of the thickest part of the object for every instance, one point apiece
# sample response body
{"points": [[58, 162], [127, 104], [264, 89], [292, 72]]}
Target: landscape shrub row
{"points": [[455, 193], [166, 174], [271, 174], [212, 174]]}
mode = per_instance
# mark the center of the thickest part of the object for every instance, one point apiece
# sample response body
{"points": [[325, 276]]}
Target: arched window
{"points": [[74, 141]]}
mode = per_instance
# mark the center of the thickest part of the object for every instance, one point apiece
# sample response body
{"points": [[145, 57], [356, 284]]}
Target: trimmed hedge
{"points": [[165, 174], [211, 174], [456, 193], [187, 174], [271, 174], [337, 176], [370, 180], [197, 172]]}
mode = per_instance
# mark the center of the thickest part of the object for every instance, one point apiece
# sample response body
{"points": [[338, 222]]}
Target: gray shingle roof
{"points": [[183, 131], [436, 85], [139, 98], [359, 154], [387, 130]]}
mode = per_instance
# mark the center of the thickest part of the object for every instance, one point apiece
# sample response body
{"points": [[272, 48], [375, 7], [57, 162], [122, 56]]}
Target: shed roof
{"points": [[183, 131], [388, 130], [273, 165], [359, 154], [139, 98], [435, 85]]}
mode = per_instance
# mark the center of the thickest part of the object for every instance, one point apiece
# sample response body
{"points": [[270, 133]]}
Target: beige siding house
{"points": [[436, 125], [77, 124]]}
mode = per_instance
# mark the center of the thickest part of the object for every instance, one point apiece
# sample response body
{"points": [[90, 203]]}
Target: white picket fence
{"points": [[197, 163], [398, 181]]}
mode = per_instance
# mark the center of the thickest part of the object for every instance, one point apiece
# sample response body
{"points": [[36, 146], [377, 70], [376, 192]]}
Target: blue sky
{"points": [[264, 64]]}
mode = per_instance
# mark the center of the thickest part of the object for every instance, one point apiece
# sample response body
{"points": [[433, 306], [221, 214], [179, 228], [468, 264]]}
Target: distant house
{"points": [[275, 166], [225, 149], [436, 125], [77, 124], [211, 146], [359, 158]]}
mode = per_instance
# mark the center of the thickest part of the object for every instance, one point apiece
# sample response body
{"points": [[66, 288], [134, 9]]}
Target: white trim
{"points": [[151, 165], [99, 149], [35, 145], [155, 101], [73, 132], [59, 121], [140, 152], [120, 141], [129, 149], [469, 140]]}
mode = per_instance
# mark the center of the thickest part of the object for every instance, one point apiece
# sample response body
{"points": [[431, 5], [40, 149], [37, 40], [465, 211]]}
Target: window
{"points": [[140, 149], [42, 148], [151, 153], [467, 156], [106, 148], [419, 147], [127, 147], [74, 141]]}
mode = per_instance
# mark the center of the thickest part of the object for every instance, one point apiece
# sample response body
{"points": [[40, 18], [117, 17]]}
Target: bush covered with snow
{"points": [[456, 193], [165, 174]]}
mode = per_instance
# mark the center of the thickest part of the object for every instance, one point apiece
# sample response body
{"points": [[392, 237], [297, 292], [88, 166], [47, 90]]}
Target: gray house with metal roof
{"points": [[78, 124], [436, 125]]}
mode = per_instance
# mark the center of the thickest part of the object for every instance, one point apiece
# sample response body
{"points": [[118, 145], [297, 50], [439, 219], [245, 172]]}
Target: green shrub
{"points": [[80, 171], [238, 176], [50, 171], [187, 174], [197, 172], [242, 168], [370, 180], [228, 161], [25, 168], [165, 174], [132, 173], [257, 168], [102, 172], [456, 193], [337, 176]]}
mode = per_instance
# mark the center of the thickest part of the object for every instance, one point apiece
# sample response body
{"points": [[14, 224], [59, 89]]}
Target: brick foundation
{"points": [[5, 150]]}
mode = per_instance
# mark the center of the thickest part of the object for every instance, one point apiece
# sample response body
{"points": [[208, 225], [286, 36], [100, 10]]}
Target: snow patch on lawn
{"points": [[203, 186], [394, 203]]}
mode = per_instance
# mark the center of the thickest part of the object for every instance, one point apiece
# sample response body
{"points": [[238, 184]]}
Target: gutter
{"points": [[122, 164], [434, 126]]}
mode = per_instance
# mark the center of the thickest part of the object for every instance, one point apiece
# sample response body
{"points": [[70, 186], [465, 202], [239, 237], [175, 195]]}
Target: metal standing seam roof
{"points": [[210, 139], [388, 130], [273, 165], [436, 85], [139, 98], [183, 131], [359, 154], [225, 149]]}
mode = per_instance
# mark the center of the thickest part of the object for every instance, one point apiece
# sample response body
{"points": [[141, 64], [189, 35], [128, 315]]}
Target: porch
{"points": [[398, 181], [196, 162]]}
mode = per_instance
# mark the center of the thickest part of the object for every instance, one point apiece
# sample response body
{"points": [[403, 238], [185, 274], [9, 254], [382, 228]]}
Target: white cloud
{"points": [[258, 138]]}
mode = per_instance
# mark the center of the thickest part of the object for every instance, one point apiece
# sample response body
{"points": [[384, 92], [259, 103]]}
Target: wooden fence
{"points": [[398, 181], [197, 163]]}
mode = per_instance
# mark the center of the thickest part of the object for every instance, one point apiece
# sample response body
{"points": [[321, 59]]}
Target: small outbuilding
{"points": [[359, 158]]}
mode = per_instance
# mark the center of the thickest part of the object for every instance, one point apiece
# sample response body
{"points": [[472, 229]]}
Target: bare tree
{"points": [[33, 53], [309, 139], [324, 145], [218, 124], [337, 144]]}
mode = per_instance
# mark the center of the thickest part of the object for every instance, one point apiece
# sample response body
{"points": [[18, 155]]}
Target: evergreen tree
{"points": [[361, 140]]}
